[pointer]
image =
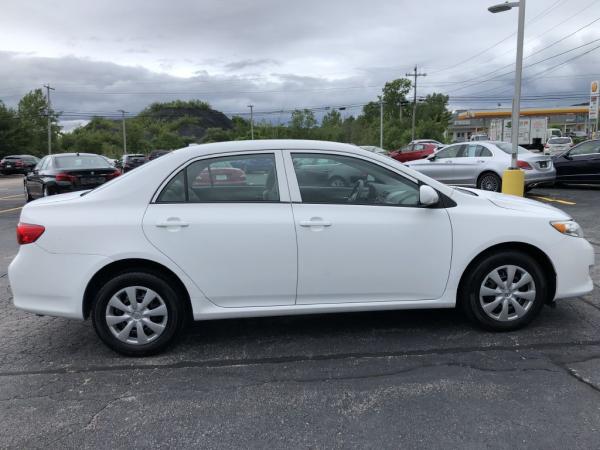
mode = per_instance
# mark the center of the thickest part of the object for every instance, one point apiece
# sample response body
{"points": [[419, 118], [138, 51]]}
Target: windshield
{"points": [[507, 148], [559, 141], [81, 162]]}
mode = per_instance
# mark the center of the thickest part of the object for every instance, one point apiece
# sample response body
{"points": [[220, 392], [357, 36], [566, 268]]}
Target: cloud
{"points": [[282, 55], [246, 63]]}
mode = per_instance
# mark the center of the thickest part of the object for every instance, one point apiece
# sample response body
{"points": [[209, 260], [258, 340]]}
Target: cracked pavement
{"points": [[418, 379]]}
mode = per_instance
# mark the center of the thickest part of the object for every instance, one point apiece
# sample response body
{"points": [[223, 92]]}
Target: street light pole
{"points": [[414, 114], [380, 121], [251, 121], [124, 131], [514, 180], [49, 109]]}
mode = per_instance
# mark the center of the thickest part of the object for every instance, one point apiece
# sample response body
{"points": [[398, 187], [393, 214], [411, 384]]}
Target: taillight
{"points": [[65, 177], [114, 174], [524, 165], [19, 163], [28, 233]]}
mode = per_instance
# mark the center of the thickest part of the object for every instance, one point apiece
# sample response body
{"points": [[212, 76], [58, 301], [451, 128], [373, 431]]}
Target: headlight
{"points": [[569, 227]]}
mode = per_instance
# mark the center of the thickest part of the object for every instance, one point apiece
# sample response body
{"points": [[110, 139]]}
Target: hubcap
{"points": [[136, 315], [489, 183], [507, 293]]}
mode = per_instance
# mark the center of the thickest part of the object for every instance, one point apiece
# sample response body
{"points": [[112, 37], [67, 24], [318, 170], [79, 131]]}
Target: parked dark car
{"points": [[131, 161], [157, 154], [67, 172], [326, 172], [17, 164], [579, 164]]}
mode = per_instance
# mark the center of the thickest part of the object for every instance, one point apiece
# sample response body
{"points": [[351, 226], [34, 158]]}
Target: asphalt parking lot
{"points": [[417, 379]]}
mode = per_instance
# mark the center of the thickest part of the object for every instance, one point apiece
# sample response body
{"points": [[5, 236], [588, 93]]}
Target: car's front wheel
{"points": [[504, 291], [137, 313]]}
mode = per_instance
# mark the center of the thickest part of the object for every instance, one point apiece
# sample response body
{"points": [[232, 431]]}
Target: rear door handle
{"points": [[315, 222], [448, 162]]}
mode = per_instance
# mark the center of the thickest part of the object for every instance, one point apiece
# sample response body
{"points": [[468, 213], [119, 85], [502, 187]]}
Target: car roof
{"points": [[74, 154], [268, 144]]}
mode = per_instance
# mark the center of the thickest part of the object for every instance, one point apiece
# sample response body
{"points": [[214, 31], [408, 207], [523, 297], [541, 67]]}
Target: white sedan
{"points": [[183, 237]]}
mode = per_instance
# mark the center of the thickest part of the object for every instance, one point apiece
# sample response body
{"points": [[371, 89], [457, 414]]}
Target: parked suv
{"points": [[18, 164]]}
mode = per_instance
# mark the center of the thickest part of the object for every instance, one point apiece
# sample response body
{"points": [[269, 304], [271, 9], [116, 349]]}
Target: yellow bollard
{"points": [[513, 182]]}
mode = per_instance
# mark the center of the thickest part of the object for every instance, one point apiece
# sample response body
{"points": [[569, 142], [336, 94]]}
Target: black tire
{"points": [[28, 196], [489, 181], [469, 293], [172, 300]]}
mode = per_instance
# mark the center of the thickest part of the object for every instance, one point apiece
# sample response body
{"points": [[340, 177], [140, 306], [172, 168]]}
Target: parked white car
{"points": [[180, 237], [481, 165], [557, 145]]}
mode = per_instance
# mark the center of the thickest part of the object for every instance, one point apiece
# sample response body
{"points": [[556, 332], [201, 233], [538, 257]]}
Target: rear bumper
{"points": [[535, 177], [50, 283]]}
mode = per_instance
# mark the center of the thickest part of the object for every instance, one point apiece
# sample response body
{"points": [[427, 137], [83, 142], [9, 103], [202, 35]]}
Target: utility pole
{"points": [[381, 121], [414, 115], [124, 131], [48, 109], [251, 121]]}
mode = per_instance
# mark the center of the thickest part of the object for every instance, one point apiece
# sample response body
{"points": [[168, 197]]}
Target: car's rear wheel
{"points": [[137, 314], [28, 196], [504, 291], [489, 181]]}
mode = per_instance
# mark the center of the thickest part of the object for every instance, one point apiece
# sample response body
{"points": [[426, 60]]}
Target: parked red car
{"points": [[413, 151], [223, 174]]}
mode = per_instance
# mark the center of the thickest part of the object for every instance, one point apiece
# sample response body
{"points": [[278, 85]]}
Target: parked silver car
{"points": [[481, 164]]}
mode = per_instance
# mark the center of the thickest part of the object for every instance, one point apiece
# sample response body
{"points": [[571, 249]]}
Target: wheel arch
{"points": [[130, 265], [533, 251], [485, 172]]}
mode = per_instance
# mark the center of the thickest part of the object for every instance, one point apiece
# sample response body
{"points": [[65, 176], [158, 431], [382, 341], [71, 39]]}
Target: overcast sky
{"points": [[279, 55]]}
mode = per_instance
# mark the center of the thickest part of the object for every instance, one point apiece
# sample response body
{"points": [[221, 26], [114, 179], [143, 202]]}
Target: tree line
{"points": [[178, 123]]}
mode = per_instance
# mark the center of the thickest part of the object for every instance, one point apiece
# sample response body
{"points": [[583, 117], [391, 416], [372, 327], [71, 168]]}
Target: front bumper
{"points": [[573, 258], [50, 283]]}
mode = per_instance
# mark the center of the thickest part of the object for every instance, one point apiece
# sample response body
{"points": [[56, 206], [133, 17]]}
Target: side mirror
{"points": [[428, 196], [432, 157]]}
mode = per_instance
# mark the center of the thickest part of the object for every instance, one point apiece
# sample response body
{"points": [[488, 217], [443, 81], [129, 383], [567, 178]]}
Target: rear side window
{"points": [[449, 152], [246, 178]]}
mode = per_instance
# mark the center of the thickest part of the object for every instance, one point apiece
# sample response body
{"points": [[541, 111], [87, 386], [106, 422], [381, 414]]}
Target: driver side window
{"points": [[338, 179], [586, 148]]}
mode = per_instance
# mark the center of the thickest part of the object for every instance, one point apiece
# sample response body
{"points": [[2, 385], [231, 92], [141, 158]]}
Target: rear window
{"points": [[507, 148], [13, 157], [80, 162], [559, 140]]}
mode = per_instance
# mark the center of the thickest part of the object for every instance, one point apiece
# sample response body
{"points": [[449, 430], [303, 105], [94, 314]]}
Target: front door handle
{"points": [[448, 162], [315, 222], [172, 222]]}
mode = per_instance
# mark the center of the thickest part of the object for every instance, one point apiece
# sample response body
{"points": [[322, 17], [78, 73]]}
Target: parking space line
{"points": [[10, 209], [11, 196], [557, 200]]}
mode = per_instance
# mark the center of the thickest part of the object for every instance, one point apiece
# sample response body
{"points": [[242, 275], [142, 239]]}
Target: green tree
{"points": [[33, 123], [9, 129]]}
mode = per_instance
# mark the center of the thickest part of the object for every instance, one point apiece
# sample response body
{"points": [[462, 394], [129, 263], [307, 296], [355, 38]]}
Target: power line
{"points": [[543, 13]]}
